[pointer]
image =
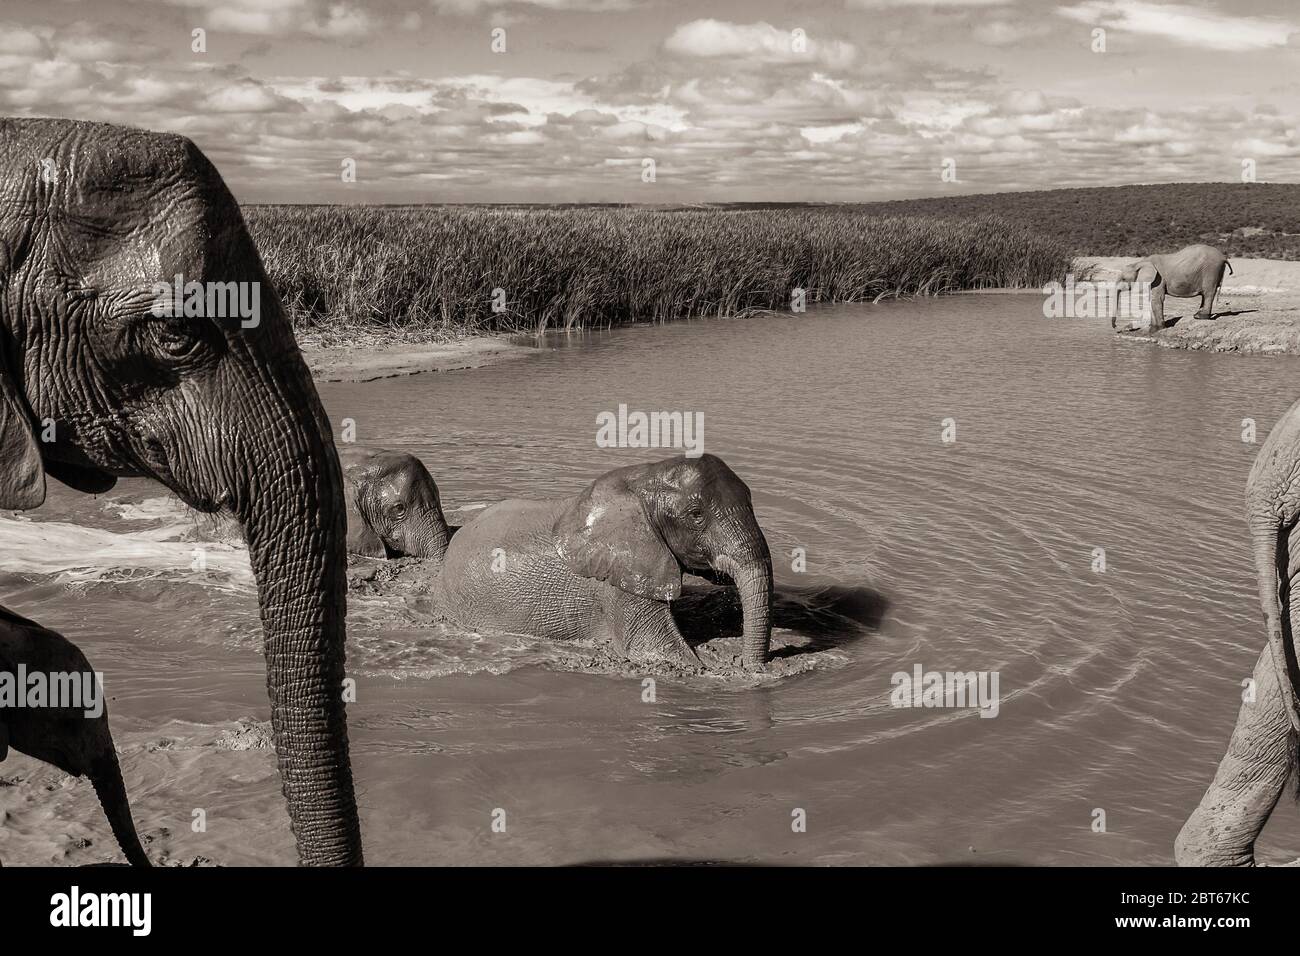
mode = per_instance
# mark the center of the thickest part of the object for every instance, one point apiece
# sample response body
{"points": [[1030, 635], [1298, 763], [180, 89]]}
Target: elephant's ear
{"points": [[22, 476], [607, 535], [361, 537], [1147, 272]]}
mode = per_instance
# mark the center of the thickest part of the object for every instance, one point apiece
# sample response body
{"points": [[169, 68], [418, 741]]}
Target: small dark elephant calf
{"points": [[62, 735]]}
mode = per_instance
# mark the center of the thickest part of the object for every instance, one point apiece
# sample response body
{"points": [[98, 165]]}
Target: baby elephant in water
{"points": [[602, 563], [393, 509], [73, 736]]}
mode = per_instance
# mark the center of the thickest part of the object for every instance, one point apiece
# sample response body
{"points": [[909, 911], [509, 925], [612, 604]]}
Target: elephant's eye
{"points": [[176, 338], [399, 510]]}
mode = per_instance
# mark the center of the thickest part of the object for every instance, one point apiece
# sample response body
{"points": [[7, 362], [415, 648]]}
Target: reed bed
{"points": [[433, 272]]}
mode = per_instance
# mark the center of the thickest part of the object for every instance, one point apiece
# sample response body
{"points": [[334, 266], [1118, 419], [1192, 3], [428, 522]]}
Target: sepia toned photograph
{"points": [[537, 433]]}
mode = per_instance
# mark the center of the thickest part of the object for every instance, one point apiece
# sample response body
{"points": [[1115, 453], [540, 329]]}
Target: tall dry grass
{"points": [[431, 271]]}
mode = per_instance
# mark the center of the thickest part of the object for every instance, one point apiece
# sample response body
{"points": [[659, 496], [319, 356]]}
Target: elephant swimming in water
{"points": [[219, 408], [605, 562], [64, 735], [1196, 270]]}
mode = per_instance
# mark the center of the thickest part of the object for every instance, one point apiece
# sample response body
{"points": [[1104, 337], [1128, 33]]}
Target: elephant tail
{"points": [[1229, 265], [107, 780], [1272, 556]]}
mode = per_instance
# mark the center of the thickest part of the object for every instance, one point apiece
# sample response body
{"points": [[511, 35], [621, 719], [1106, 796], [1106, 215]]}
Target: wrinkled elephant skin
{"points": [[219, 408], [608, 561], [1252, 774]]}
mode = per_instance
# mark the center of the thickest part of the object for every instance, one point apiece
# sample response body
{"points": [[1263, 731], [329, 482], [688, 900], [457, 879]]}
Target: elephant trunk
{"points": [[755, 586], [294, 522], [434, 539], [752, 576], [106, 777], [1271, 553]]}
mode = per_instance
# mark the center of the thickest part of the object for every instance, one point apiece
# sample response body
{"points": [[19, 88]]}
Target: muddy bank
{"points": [[374, 356], [1257, 311]]}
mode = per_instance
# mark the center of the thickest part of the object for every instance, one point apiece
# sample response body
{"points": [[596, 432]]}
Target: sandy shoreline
{"points": [[1257, 310], [368, 360]]}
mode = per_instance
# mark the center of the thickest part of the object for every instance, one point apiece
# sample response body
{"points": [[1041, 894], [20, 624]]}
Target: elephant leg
{"points": [[645, 631], [1251, 777], [1208, 292], [1157, 307]]}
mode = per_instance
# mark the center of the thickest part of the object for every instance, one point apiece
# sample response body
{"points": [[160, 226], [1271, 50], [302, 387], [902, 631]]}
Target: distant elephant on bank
{"points": [[1196, 270], [605, 562], [1253, 773], [102, 377], [64, 736], [393, 507]]}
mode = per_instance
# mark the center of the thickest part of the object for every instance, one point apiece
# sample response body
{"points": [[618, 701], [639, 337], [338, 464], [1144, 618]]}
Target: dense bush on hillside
{"points": [[1255, 219]]}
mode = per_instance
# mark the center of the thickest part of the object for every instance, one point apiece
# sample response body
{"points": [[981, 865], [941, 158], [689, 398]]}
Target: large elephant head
{"points": [[638, 528], [393, 507], [1143, 275], [1132, 273], [101, 375]]}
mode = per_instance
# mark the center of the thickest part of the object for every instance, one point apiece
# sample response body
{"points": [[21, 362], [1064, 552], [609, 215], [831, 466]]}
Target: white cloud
{"points": [[1145, 133], [17, 41], [1193, 26], [244, 97], [756, 42], [582, 6], [729, 110], [1263, 147], [879, 4], [939, 113], [1008, 32], [830, 134], [328, 19]]}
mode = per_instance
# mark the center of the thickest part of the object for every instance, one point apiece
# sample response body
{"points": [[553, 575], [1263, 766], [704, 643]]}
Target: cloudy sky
{"points": [[733, 99]]}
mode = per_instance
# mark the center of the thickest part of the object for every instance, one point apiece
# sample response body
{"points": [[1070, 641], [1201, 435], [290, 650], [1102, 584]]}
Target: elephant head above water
{"points": [[65, 736], [608, 561], [393, 506], [1196, 270], [220, 409]]}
